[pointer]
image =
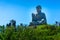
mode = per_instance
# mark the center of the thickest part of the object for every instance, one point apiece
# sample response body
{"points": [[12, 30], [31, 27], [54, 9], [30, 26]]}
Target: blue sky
{"points": [[21, 10]]}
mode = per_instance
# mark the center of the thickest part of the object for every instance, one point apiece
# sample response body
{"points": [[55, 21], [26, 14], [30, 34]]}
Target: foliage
{"points": [[41, 32]]}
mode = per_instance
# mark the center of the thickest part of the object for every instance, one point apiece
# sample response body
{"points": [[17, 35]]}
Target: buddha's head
{"points": [[38, 9]]}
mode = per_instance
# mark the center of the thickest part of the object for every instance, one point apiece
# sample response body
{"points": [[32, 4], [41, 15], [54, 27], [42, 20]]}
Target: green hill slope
{"points": [[41, 32]]}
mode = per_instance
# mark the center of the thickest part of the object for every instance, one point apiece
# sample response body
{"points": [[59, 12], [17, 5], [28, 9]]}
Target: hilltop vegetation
{"points": [[41, 32]]}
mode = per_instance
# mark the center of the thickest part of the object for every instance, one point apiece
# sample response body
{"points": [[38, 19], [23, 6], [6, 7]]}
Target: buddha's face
{"points": [[38, 10]]}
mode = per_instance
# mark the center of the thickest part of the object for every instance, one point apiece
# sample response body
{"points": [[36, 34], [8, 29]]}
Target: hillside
{"points": [[41, 32]]}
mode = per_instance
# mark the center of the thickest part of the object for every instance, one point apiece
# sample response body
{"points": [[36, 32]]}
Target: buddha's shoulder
{"points": [[43, 13]]}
